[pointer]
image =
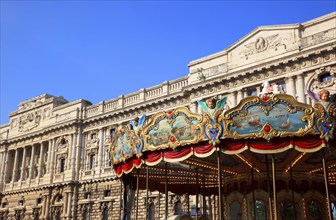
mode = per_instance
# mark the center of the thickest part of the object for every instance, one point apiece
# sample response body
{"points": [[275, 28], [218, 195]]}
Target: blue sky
{"points": [[98, 50]]}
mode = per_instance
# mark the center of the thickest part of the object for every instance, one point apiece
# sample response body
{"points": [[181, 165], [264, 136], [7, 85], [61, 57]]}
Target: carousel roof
{"points": [[245, 137]]}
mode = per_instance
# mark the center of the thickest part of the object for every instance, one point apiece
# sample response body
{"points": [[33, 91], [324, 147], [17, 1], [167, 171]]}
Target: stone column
{"points": [[49, 156], [300, 88], [290, 86], [52, 159], [73, 159], [193, 107], [233, 99], [100, 149], [239, 95], [65, 204], [15, 166], [46, 206], [39, 175], [31, 163], [79, 142], [5, 169], [2, 165], [69, 205], [23, 163], [2, 168], [245, 93]]}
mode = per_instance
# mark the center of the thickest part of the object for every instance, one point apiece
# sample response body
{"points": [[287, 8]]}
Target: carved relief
{"points": [[272, 42], [62, 144], [29, 121]]}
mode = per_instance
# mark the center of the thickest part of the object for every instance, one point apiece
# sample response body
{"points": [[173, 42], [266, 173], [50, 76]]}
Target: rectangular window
{"points": [[91, 161], [62, 165]]}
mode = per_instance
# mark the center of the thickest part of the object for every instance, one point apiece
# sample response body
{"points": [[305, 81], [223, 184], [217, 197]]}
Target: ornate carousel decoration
{"points": [[180, 145], [268, 117]]}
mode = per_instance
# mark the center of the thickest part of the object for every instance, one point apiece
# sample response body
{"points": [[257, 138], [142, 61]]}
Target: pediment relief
{"points": [[262, 44]]}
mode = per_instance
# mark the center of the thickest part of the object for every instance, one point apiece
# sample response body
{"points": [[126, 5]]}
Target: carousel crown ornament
{"points": [[212, 109], [325, 105]]}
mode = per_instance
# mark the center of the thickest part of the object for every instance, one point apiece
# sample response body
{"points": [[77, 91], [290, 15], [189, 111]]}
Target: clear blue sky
{"points": [[98, 50]]}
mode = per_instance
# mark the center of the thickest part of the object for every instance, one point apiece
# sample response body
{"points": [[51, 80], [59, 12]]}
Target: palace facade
{"points": [[55, 160]]}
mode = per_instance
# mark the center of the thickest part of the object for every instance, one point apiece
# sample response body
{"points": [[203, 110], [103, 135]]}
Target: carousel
{"points": [[269, 157]]}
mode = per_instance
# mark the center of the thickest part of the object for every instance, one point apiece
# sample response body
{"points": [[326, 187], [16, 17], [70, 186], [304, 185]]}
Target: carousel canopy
{"points": [[257, 126]]}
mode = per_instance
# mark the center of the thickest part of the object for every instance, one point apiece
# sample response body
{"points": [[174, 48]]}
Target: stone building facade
{"points": [[54, 154]]}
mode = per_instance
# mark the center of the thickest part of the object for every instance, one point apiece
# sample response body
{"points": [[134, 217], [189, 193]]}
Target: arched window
{"points": [[235, 211], [315, 210], [178, 208], [151, 212], [261, 210], [287, 210]]}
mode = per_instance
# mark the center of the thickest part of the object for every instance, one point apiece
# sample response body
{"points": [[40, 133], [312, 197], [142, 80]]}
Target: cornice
{"points": [[46, 132], [40, 188]]}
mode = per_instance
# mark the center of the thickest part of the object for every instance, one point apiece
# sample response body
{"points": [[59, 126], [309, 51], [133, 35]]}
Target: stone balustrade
{"points": [[136, 97]]}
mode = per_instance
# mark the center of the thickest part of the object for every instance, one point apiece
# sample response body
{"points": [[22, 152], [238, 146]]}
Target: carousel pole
{"points": [[326, 182], [253, 195], [293, 200], [137, 198], [146, 203], [120, 198], [166, 191], [219, 186], [274, 189], [269, 189], [196, 193], [204, 198]]}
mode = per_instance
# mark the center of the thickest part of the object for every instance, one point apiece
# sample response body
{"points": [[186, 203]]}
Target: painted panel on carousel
{"points": [[270, 115], [173, 128], [325, 106], [123, 144], [213, 128]]}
